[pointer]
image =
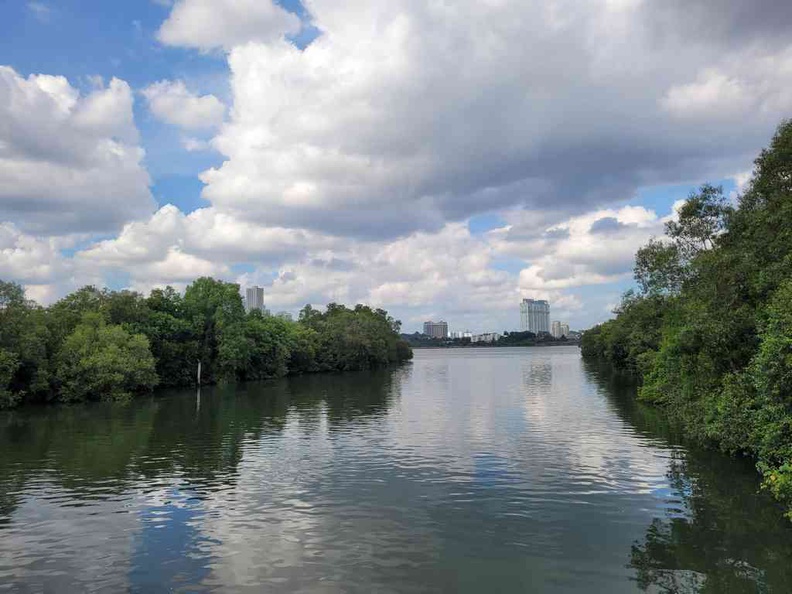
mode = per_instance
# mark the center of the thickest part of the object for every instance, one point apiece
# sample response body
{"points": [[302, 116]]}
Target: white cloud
{"points": [[404, 115], [210, 24], [176, 267], [68, 162], [712, 93], [591, 249], [28, 259], [173, 103], [447, 273], [41, 11], [195, 145], [755, 84], [206, 232]]}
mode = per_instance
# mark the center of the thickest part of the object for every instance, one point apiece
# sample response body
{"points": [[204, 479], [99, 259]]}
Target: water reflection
{"points": [[470, 470], [723, 535], [101, 449], [109, 497]]}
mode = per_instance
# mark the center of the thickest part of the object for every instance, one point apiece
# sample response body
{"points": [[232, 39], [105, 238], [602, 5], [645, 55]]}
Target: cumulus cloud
{"points": [[595, 248], [402, 116], [210, 24], [69, 162], [447, 273], [206, 233], [173, 103], [29, 259]]}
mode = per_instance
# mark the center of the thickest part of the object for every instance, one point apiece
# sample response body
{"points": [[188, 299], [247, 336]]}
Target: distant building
{"points": [[565, 330], [284, 315], [486, 337], [534, 316], [436, 329], [555, 329], [254, 299]]}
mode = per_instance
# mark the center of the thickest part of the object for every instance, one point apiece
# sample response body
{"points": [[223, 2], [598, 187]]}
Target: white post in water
{"points": [[199, 373]]}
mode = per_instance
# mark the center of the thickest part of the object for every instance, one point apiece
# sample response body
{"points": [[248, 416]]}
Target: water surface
{"points": [[469, 470]]}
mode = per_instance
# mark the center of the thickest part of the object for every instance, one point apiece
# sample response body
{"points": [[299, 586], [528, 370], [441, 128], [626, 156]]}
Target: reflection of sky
{"points": [[168, 548]]}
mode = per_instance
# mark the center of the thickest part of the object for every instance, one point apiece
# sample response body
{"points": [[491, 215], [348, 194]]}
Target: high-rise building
{"points": [[254, 299], [555, 329], [565, 330], [436, 329], [534, 316]]}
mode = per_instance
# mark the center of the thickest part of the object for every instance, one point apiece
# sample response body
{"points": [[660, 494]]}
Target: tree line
{"points": [[99, 344], [709, 332], [507, 339]]}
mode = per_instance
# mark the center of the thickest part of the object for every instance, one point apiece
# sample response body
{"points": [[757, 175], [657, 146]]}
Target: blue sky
{"points": [[419, 158]]}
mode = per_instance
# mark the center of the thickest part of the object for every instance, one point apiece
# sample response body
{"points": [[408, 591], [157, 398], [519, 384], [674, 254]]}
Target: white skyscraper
{"points": [[534, 316], [254, 298], [559, 329]]}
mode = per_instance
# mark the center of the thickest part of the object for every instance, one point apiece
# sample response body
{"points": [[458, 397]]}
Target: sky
{"points": [[442, 160]]}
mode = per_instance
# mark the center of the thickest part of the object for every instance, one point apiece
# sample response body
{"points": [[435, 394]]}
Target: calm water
{"points": [[492, 470]]}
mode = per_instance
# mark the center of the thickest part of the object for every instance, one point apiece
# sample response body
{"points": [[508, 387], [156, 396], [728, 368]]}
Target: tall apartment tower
{"points": [[254, 298], [534, 316], [436, 329], [555, 329]]}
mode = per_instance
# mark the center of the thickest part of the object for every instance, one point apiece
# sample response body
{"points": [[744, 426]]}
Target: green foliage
{"points": [[100, 344], [270, 343], [217, 315], [104, 361], [716, 314], [354, 339], [659, 269], [24, 342], [517, 339], [629, 341], [699, 221], [9, 364]]}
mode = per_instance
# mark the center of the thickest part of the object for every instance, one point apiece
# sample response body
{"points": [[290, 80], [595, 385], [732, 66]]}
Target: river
{"points": [[467, 470]]}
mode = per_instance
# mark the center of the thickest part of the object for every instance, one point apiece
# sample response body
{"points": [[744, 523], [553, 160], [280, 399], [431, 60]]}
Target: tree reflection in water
{"points": [[721, 534], [102, 449]]}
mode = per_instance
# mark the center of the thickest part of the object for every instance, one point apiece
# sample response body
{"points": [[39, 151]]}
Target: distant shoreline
{"points": [[494, 346]]}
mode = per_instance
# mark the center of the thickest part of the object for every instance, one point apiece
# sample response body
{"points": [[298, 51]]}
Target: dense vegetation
{"points": [[99, 344], [709, 333]]}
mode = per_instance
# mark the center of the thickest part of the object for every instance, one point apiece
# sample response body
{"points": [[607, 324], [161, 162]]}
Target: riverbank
{"points": [[709, 335], [115, 345], [496, 346]]}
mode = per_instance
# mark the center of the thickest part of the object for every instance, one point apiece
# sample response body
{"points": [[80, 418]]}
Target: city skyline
{"points": [[193, 138], [534, 316]]}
